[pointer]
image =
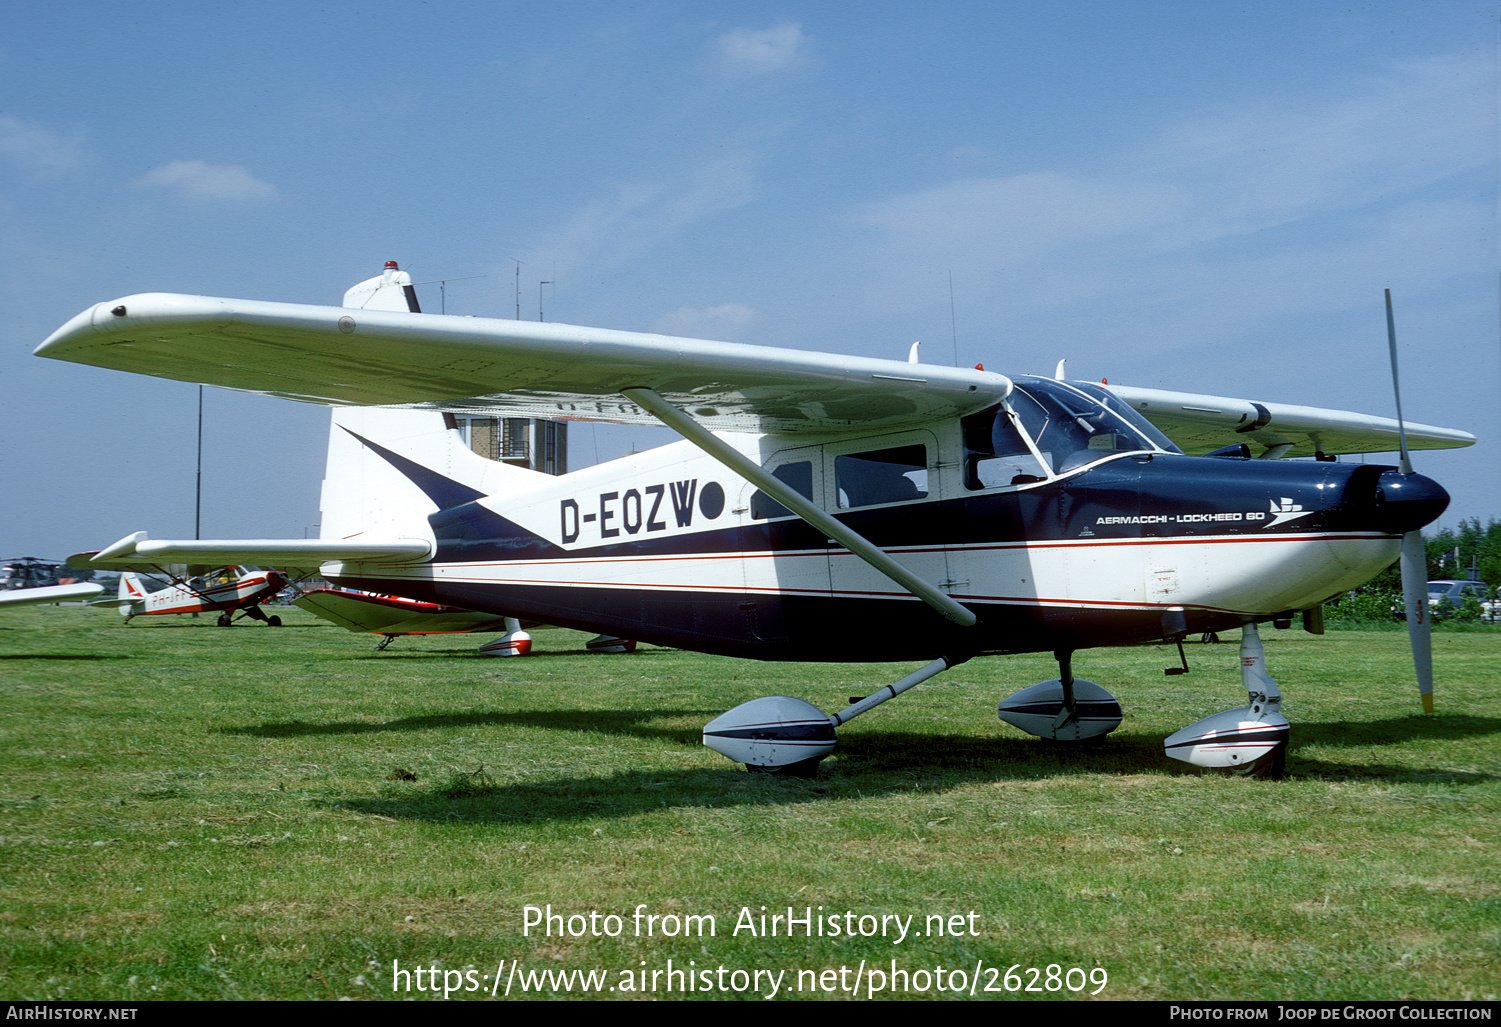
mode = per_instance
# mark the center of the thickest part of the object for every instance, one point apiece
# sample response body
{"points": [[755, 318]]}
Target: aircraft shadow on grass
{"points": [[535, 654], [636, 723], [642, 724], [865, 764]]}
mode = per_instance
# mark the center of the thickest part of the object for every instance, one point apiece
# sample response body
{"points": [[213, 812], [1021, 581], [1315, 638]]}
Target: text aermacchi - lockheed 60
{"points": [[820, 508]]}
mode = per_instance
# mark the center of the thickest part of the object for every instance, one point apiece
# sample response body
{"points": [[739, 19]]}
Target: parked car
{"points": [[1447, 597]]}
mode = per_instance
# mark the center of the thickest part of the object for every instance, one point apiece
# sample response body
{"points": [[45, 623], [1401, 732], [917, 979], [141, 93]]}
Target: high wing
{"points": [[1199, 424], [392, 357], [534, 369]]}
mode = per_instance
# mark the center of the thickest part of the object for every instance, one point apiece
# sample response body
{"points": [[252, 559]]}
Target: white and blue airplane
{"points": [[820, 508]]}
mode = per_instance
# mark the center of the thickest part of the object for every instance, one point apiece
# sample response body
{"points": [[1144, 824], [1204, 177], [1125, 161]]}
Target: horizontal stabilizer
{"points": [[135, 551]]}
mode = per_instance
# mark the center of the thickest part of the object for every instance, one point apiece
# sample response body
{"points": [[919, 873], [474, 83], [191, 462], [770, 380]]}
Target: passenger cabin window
{"points": [[799, 475], [995, 452], [881, 476]]}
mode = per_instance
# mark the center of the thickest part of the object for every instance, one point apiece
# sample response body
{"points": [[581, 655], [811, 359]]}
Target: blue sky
{"points": [[1206, 197]]}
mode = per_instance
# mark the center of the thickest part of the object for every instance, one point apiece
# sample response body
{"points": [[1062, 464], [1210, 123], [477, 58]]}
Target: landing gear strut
{"points": [[256, 613]]}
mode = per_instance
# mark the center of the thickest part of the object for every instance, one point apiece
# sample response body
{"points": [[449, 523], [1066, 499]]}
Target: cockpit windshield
{"points": [[1070, 423], [1076, 424]]}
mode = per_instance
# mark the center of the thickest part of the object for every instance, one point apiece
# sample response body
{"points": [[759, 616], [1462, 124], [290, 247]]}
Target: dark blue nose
{"points": [[1405, 502]]}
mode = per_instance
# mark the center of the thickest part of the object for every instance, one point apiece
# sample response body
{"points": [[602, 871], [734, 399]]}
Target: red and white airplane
{"points": [[820, 508], [239, 589]]}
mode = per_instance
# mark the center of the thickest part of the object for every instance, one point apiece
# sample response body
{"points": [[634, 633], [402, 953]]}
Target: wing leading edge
{"points": [[383, 357], [1200, 424]]}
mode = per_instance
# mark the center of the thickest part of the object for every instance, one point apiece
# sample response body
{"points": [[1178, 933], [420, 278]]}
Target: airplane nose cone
{"points": [[1405, 502]]}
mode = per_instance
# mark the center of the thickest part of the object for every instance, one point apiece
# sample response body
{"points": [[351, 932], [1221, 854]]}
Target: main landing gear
{"points": [[516, 642], [778, 734], [253, 612], [782, 735], [1250, 741], [1065, 709]]}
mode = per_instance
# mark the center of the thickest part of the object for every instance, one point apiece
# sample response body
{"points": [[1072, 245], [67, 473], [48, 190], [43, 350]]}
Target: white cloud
{"points": [[726, 321], [196, 180], [644, 214], [763, 51], [1283, 207], [42, 150]]}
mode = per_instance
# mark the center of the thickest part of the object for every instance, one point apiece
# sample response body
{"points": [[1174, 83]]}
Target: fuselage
{"points": [[246, 590], [672, 548]]}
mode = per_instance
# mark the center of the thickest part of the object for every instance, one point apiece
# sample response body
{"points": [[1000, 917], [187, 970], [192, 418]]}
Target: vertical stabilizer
{"points": [[388, 470], [131, 591]]}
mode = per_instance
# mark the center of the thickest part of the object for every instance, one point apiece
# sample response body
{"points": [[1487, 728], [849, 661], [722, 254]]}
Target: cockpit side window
{"points": [[995, 453]]}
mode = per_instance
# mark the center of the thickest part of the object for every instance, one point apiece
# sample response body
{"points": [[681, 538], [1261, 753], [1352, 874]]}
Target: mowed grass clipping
{"points": [[190, 812]]}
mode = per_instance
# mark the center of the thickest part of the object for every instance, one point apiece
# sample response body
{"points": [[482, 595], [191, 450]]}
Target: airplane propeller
{"points": [[1414, 561]]}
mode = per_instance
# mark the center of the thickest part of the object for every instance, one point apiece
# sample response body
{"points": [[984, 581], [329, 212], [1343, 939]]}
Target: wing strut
{"points": [[742, 465]]}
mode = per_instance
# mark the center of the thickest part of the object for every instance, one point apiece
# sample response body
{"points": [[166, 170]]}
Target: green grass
{"points": [[193, 812]]}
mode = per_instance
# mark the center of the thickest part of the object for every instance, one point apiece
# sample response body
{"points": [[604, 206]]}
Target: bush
{"points": [[1371, 607]]}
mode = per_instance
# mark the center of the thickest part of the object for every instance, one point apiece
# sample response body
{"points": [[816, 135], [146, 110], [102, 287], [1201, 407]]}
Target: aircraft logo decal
{"points": [[1287, 511]]}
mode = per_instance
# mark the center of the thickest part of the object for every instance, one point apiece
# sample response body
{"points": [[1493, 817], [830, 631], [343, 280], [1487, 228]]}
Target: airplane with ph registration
{"points": [[225, 591], [820, 507]]}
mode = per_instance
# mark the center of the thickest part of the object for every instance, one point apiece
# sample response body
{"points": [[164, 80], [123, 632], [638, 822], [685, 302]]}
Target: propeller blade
{"points": [[1415, 598], [1391, 342], [1414, 556]]}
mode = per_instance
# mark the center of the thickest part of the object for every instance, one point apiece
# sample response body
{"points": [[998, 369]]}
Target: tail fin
{"points": [[131, 591], [389, 469], [390, 290]]}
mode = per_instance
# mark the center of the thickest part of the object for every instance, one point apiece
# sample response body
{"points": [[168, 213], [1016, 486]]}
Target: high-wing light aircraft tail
{"points": [[821, 506]]}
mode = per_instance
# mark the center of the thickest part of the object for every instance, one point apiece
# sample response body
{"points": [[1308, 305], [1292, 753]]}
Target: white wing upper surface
{"points": [[1199, 424], [383, 357], [370, 357]]}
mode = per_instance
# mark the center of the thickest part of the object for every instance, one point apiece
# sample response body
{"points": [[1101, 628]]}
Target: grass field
{"points": [[190, 812]]}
